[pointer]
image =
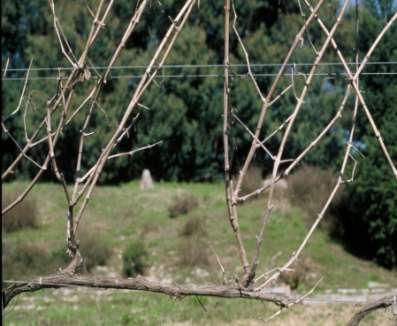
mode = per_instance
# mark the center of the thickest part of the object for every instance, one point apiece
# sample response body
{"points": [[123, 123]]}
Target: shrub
{"points": [[281, 201], [193, 253], [194, 227], [25, 260], [301, 272], [94, 252], [193, 248], [309, 188], [134, 259], [60, 256], [182, 205], [252, 180], [368, 215], [23, 215]]}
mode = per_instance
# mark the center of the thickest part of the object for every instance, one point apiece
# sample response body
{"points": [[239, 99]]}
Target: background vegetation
{"points": [[139, 237], [186, 112]]}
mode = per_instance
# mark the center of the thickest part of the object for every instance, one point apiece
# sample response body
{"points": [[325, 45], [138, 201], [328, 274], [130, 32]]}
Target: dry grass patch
{"points": [[252, 180], [182, 205], [23, 215], [193, 249], [309, 188], [26, 260], [135, 259], [303, 271]]}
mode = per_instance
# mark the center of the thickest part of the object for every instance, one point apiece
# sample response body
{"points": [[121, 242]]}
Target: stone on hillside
{"points": [[146, 180]]}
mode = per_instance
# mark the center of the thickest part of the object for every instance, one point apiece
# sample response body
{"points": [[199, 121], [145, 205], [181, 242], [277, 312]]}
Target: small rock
{"points": [[146, 180]]}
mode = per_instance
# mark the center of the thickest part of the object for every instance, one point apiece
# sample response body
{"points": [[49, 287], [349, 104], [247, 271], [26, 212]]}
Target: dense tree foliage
{"points": [[369, 218], [185, 112], [185, 105]]}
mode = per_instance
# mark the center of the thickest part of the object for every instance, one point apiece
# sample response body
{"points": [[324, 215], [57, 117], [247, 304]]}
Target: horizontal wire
{"points": [[202, 66], [330, 75]]}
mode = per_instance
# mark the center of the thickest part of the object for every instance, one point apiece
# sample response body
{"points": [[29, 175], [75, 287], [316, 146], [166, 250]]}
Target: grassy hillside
{"points": [[119, 215]]}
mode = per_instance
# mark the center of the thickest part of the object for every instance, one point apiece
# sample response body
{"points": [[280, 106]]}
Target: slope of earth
{"points": [[182, 252]]}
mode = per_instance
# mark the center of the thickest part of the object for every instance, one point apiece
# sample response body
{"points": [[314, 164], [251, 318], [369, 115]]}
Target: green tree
{"points": [[370, 217]]}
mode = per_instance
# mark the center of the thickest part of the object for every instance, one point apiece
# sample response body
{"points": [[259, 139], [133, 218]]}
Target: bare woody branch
{"points": [[382, 303], [298, 300], [155, 64], [72, 80], [246, 55], [7, 132], [23, 91], [84, 185], [353, 80], [276, 165], [230, 202], [6, 67], [95, 92], [321, 215], [269, 96], [141, 284]]}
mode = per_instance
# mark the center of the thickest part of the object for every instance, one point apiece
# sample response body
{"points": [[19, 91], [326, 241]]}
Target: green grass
{"points": [[118, 214]]}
